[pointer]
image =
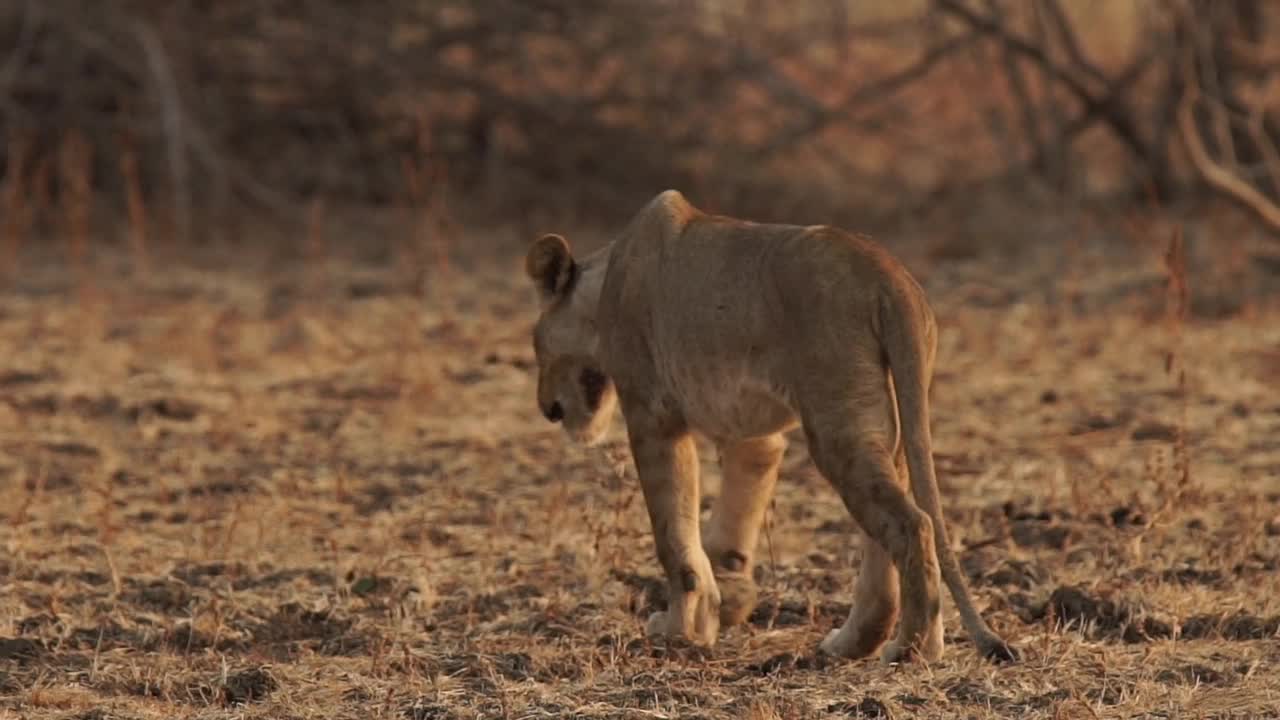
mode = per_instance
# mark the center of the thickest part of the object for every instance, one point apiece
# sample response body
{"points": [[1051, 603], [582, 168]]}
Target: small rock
{"points": [[773, 664], [175, 409], [514, 666], [1191, 675], [1097, 422], [821, 559], [73, 448], [360, 290], [467, 377], [1272, 526], [1146, 629], [1123, 516], [1037, 534], [19, 649], [1018, 574], [1076, 604], [423, 709], [1155, 431], [869, 707], [248, 686], [22, 377], [790, 661]]}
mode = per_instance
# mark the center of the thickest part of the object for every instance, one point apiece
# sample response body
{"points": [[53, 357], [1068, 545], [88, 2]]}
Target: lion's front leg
{"points": [[750, 470], [667, 463]]}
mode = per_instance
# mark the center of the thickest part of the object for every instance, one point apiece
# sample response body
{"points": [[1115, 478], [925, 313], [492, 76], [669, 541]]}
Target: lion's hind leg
{"points": [[875, 606], [750, 470], [852, 436]]}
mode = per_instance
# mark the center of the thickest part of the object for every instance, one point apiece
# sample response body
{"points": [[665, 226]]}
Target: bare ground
{"points": [[280, 484]]}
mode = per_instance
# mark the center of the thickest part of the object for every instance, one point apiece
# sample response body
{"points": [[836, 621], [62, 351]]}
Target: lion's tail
{"points": [[911, 348]]}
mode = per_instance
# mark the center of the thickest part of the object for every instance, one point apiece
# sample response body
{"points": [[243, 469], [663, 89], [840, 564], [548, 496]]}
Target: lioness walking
{"points": [[742, 331]]}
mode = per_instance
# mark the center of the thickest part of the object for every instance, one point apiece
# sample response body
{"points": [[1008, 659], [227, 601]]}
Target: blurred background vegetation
{"points": [[850, 111]]}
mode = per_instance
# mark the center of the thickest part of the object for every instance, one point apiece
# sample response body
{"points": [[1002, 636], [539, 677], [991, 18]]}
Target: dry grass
{"points": [[298, 484]]}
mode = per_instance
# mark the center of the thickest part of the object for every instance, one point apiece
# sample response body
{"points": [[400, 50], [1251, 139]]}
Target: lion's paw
{"points": [[700, 630], [831, 644], [896, 651], [837, 643]]}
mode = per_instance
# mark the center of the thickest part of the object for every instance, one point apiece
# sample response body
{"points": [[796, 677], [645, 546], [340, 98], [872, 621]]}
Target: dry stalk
{"points": [[317, 250], [40, 190], [410, 247], [443, 227], [387, 702], [75, 191], [75, 184], [229, 532], [1176, 264], [16, 212], [35, 490], [116, 585], [97, 656], [409, 371], [340, 493], [430, 222], [135, 201], [437, 208], [1173, 491], [1071, 279], [104, 489]]}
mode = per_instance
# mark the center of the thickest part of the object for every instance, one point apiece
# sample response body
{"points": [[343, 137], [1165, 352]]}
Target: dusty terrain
{"points": [[294, 484]]}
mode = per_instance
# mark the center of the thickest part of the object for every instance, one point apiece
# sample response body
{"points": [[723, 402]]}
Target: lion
{"points": [[741, 331]]}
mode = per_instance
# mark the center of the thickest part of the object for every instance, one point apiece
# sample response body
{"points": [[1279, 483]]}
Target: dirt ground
{"points": [[298, 483]]}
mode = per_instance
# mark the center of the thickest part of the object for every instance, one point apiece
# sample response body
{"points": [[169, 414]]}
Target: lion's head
{"points": [[572, 388]]}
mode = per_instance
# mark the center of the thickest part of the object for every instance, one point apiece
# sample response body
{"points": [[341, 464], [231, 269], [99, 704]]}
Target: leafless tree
{"points": [[519, 102]]}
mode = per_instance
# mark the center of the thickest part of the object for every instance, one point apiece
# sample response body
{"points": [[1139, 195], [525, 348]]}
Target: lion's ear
{"points": [[550, 265]]}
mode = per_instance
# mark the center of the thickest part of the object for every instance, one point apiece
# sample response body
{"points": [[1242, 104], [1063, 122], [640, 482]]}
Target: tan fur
{"points": [[741, 331]]}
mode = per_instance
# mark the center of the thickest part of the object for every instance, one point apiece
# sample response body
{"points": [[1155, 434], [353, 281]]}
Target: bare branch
{"points": [[1270, 155], [1111, 108], [1114, 93], [1218, 177], [1066, 35], [1053, 158], [821, 117], [1219, 120], [988, 26], [1013, 74]]}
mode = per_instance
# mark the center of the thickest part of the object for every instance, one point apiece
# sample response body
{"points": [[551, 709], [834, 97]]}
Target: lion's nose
{"points": [[555, 413]]}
